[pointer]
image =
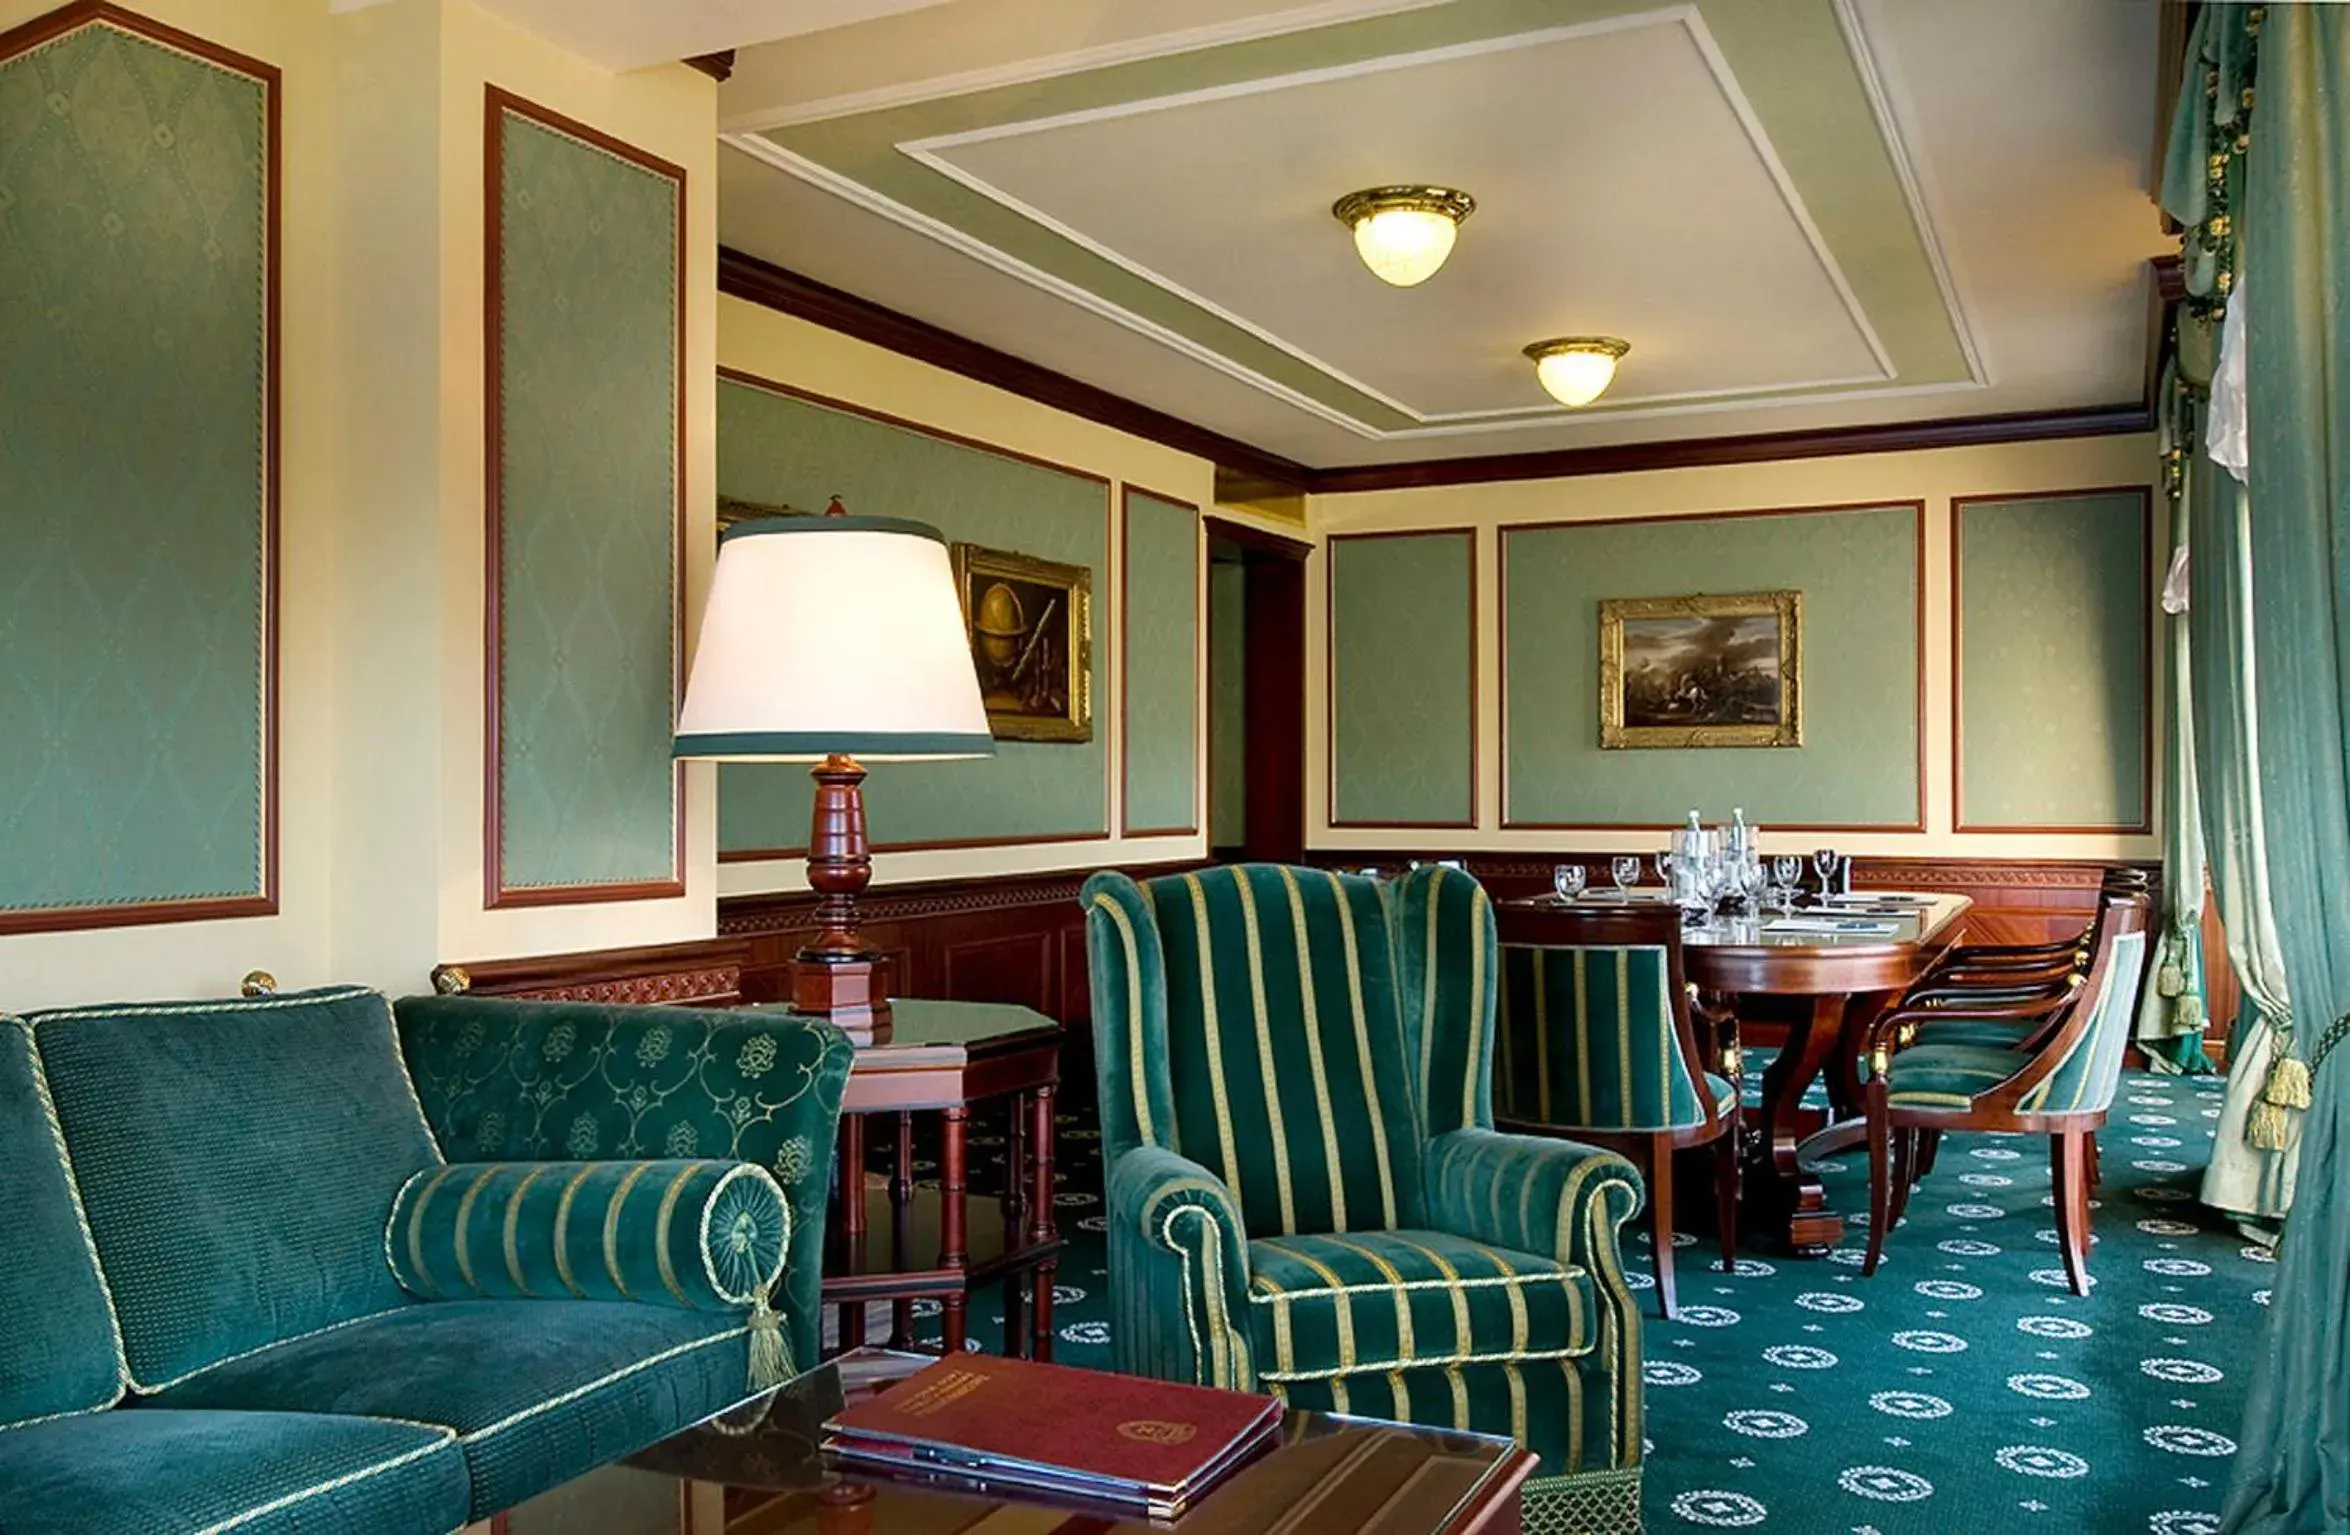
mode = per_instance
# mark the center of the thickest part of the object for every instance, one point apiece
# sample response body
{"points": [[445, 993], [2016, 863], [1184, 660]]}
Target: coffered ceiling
{"points": [[1801, 213]]}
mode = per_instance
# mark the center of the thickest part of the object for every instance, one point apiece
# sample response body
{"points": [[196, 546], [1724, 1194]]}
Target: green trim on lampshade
{"points": [[803, 745], [825, 523]]}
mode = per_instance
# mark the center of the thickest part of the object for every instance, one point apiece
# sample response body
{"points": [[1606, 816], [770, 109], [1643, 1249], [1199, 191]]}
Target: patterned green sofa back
{"points": [[505, 1080]]}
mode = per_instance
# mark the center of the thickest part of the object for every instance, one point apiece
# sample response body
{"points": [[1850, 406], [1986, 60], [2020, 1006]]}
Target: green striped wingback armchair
{"points": [[1306, 1194]]}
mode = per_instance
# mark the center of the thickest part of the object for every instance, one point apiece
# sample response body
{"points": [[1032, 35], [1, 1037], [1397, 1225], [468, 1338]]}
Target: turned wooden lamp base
{"points": [[836, 975]]}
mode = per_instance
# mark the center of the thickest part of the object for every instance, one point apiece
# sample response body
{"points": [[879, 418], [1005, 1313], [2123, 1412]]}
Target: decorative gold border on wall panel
{"points": [[1917, 507], [23, 39], [1127, 491], [1110, 759], [496, 103], [2144, 826], [1330, 678]]}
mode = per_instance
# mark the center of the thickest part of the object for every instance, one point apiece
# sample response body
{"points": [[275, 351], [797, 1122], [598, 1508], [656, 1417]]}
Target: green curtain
{"points": [[2292, 1474], [2171, 1013]]}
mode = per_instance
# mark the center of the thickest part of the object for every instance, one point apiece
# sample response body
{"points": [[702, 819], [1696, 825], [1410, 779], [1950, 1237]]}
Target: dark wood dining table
{"points": [[1840, 982]]}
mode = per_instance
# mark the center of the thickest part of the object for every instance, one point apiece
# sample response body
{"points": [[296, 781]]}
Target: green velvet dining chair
{"points": [[1307, 1196], [1596, 1042], [2056, 1076]]}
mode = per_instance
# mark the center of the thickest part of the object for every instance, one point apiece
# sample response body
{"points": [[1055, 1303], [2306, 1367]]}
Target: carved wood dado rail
{"points": [[1021, 938]]}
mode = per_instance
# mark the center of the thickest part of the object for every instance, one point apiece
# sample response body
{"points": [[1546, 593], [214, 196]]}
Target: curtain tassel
{"points": [[2288, 1082], [2170, 981], [2264, 1127], [770, 1356]]}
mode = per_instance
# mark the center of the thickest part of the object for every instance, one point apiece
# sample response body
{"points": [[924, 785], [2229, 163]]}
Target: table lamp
{"points": [[829, 639]]}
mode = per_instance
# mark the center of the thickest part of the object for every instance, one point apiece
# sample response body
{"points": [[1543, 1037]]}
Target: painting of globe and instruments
{"points": [[1701, 671], [1031, 628]]}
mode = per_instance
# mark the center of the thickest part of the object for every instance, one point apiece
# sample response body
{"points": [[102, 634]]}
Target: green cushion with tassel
{"points": [[703, 1235]]}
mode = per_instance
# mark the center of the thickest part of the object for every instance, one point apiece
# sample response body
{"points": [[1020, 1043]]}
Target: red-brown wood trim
{"points": [[1755, 447], [2144, 825], [1330, 677], [752, 380], [787, 292], [496, 104], [828, 402], [718, 66], [1258, 540], [1502, 659], [23, 39], [1126, 494]]}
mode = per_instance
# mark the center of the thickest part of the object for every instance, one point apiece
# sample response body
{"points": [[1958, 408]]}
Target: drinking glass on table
{"points": [[1625, 870], [1568, 880], [1825, 861], [1787, 870]]}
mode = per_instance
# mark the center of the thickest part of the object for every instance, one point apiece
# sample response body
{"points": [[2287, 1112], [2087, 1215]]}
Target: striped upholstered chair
{"points": [[1306, 1194], [1596, 1044], [2056, 1077]]}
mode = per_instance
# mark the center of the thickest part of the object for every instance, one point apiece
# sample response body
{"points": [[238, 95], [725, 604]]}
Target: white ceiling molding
{"points": [[1877, 73], [946, 234], [1076, 61]]}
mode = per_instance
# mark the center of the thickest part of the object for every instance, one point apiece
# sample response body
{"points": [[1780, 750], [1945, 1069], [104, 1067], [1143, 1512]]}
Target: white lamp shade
{"points": [[1405, 246], [832, 634], [1576, 378]]}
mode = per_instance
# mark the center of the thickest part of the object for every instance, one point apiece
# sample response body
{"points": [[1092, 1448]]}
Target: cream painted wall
{"points": [[382, 535], [1936, 477], [790, 351]]}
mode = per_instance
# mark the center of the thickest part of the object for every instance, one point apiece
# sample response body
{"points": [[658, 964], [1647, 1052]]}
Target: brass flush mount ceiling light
{"points": [[1403, 234], [1577, 369]]}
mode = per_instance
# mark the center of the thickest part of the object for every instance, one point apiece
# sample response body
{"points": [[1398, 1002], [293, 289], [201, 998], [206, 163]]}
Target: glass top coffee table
{"points": [[757, 1471]]}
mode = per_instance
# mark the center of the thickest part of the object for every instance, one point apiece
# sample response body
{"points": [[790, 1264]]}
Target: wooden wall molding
{"points": [[745, 276], [264, 903], [707, 972], [1330, 677], [497, 105], [1113, 550], [1501, 659], [2144, 825], [1199, 658]]}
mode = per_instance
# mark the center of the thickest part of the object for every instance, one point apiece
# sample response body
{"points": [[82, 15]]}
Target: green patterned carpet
{"points": [[1962, 1389]]}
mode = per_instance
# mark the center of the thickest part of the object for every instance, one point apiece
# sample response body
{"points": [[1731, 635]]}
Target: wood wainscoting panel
{"points": [[707, 972]]}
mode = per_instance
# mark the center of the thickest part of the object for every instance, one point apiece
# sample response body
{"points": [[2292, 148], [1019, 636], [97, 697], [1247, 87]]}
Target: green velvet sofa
{"points": [[259, 1279], [1306, 1192]]}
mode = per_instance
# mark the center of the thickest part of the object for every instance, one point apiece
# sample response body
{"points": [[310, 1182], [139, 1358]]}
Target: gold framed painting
{"points": [[1709, 670], [1030, 623]]}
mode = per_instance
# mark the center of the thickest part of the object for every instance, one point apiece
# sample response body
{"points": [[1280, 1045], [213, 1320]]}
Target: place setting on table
{"points": [[1777, 938]]}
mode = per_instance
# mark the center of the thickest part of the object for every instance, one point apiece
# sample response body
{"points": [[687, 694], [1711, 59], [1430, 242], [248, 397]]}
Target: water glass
{"points": [[1626, 871], [1568, 880], [1787, 870], [1825, 861]]}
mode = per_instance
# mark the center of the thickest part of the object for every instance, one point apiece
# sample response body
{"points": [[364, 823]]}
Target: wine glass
{"points": [[1625, 870], [1568, 880], [1787, 870], [1825, 861]]}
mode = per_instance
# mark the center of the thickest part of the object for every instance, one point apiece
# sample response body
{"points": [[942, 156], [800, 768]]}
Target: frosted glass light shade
{"points": [[832, 634], [1575, 372], [1404, 233]]}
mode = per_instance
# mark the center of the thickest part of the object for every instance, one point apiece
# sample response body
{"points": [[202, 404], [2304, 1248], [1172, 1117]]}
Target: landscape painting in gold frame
{"points": [[1710, 670], [1030, 624]]}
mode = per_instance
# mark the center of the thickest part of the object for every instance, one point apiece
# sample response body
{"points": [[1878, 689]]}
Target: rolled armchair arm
{"points": [[1529, 1193], [704, 1235], [1178, 1232]]}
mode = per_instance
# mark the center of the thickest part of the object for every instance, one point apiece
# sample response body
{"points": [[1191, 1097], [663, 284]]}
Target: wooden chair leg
{"points": [[2096, 1167], [1905, 1172], [2069, 1161], [1726, 1194], [1929, 1142], [1660, 1205], [1880, 1175]]}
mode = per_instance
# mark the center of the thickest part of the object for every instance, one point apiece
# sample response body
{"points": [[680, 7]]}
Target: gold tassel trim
{"points": [[2288, 1082], [770, 1356], [2265, 1126], [2170, 981]]}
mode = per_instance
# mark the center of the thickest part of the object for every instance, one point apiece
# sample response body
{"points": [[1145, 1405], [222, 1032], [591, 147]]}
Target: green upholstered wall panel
{"points": [[1403, 679], [1227, 704], [1858, 764], [1160, 639], [2054, 621], [777, 449], [585, 427], [137, 472]]}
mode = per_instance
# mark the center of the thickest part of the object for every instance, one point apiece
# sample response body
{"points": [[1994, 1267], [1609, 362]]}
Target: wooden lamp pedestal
{"points": [[836, 975]]}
